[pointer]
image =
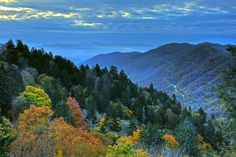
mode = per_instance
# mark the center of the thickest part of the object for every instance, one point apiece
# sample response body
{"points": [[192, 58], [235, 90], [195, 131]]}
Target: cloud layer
{"points": [[115, 16]]}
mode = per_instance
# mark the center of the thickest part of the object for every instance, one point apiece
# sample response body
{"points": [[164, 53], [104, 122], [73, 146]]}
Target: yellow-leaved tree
{"points": [[32, 96], [124, 147]]}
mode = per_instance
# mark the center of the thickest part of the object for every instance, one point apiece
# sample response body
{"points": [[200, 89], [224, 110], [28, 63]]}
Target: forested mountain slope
{"points": [[188, 71], [50, 107]]}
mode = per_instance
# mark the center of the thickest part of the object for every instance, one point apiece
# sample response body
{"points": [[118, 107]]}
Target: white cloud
{"points": [[112, 17], [161, 8], [82, 9], [107, 14], [186, 8], [82, 23], [148, 18]]}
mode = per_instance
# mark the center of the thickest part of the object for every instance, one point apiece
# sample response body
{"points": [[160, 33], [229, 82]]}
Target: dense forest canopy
{"points": [[46, 98]]}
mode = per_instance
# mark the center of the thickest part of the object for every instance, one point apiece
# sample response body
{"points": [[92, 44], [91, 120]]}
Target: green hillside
{"points": [[50, 107]]}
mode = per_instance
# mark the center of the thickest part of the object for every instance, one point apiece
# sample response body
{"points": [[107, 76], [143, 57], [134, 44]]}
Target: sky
{"points": [[81, 29]]}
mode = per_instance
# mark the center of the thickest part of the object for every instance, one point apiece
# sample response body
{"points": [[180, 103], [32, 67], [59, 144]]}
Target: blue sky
{"points": [[80, 29]]}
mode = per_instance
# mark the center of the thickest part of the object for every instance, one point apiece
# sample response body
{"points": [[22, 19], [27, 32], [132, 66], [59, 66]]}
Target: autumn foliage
{"points": [[39, 134], [132, 138], [74, 141], [36, 96], [171, 141], [124, 147], [65, 134], [32, 132], [75, 109], [35, 118]]}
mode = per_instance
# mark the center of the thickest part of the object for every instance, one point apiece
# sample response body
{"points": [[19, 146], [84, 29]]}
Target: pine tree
{"points": [[90, 106]]}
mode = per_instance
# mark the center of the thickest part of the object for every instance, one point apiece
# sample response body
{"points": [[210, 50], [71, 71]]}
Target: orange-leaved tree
{"points": [[74, 141], [171, 141], [75, 109], [32, 130], [38, 135]]}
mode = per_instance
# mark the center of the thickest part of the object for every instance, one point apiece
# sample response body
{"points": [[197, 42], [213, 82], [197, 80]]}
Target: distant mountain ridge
{"points": [[186, 70]]}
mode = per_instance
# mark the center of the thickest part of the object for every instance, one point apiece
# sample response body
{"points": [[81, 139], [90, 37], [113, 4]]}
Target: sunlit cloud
{"points": [[114, 14], [16, 9], [125, 14], [114, 17], [23, 13], [7, 1], [8, 17], [49, 14], [186, 8], [107, 14], [82, 23]]}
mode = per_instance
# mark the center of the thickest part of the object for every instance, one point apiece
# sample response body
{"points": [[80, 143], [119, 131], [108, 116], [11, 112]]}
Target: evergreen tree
{"points": [[90, 106], [98, 71], [10, 86], [187, 135], [10, 44]]}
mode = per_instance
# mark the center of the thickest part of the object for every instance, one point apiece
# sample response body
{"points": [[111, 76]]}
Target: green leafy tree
{"points": [[53, 88], [114, 109], [7, 136], [172, 119], [28, 78]]}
